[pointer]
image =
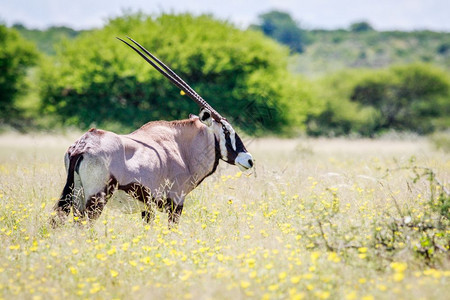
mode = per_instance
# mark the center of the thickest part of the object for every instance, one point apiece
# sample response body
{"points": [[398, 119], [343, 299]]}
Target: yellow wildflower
{"points": [[399, 266], [245, 284], [114, 273]]}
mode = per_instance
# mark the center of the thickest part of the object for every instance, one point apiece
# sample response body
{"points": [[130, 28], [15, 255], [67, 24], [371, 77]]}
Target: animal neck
{"points": [[201, 151], [216, 161]]}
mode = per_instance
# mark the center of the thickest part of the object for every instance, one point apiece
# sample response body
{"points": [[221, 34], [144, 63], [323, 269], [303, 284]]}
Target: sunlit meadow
{"points": [[317, 219]]}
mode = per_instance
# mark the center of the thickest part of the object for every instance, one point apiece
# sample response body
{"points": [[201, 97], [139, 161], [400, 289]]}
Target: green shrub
{"points": [[405, 98], [281, 27], [16, 56], [340, 115]]}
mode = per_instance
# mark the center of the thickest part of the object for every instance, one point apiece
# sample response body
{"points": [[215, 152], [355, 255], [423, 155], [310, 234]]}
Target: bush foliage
{"points": [[45, 40], [281, 27], [405, 98], [95, 79], [16, 55]]}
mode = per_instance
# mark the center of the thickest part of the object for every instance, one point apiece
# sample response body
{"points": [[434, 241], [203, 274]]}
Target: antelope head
{"points": [[232, 149]]}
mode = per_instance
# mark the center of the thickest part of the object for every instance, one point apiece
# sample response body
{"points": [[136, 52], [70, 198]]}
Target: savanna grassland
{"points": [[318, 219]]}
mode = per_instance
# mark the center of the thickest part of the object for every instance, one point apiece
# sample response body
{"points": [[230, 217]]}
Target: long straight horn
{"points": [[173, 77]]}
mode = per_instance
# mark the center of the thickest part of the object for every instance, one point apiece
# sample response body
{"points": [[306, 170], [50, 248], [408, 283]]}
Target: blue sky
{"points": [[382, 14]]}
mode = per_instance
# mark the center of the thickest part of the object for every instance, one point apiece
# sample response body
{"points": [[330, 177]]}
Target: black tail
{"points": [[65, 201]]}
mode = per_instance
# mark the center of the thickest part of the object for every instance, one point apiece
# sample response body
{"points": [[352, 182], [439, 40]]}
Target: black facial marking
{"points": [[239, 144], [225, 130], [206, 115], [231, 154]]}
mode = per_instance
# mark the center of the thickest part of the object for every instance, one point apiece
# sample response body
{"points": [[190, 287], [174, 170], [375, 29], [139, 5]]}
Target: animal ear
{"points": [[205, 116], [192, 116]]}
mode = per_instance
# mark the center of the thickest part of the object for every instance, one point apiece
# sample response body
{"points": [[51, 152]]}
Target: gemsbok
{"points": [[154, 167]]}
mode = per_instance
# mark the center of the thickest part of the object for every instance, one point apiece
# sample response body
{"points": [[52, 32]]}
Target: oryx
{"points": [[159, 163]]}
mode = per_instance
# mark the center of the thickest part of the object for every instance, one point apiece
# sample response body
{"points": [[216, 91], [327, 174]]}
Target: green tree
{"points": [[406, 97], [340, 115], [46, 40], [281, 27], [95, 79], [361, 27], [367, 102], [443, 48], [16, 56]]}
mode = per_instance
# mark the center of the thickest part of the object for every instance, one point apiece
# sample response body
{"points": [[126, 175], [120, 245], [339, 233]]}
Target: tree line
{"points": [[90, 79]]}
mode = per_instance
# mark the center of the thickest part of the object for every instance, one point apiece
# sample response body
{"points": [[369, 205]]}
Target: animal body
{"points": [[157, 165]]}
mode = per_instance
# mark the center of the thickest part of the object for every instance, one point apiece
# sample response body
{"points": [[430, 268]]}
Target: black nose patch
{"points": [[250, 162]]}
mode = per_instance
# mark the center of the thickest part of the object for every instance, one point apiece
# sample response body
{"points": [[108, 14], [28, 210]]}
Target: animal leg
{"points": [[148, 215], [143, 194], [95, 205], [174, 214], [97, 184]]}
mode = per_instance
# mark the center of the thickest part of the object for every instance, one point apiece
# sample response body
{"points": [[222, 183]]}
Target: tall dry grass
{"points": [[353, 219]]}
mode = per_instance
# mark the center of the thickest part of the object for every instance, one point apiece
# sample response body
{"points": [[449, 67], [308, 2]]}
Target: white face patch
{"points": [[220, 129], [223, 144], [222, 138], [244, 161], [232, 133]]}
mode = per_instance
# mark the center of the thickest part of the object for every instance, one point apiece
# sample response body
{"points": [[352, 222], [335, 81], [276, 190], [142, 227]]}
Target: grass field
{"points": [[319, 219]]}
